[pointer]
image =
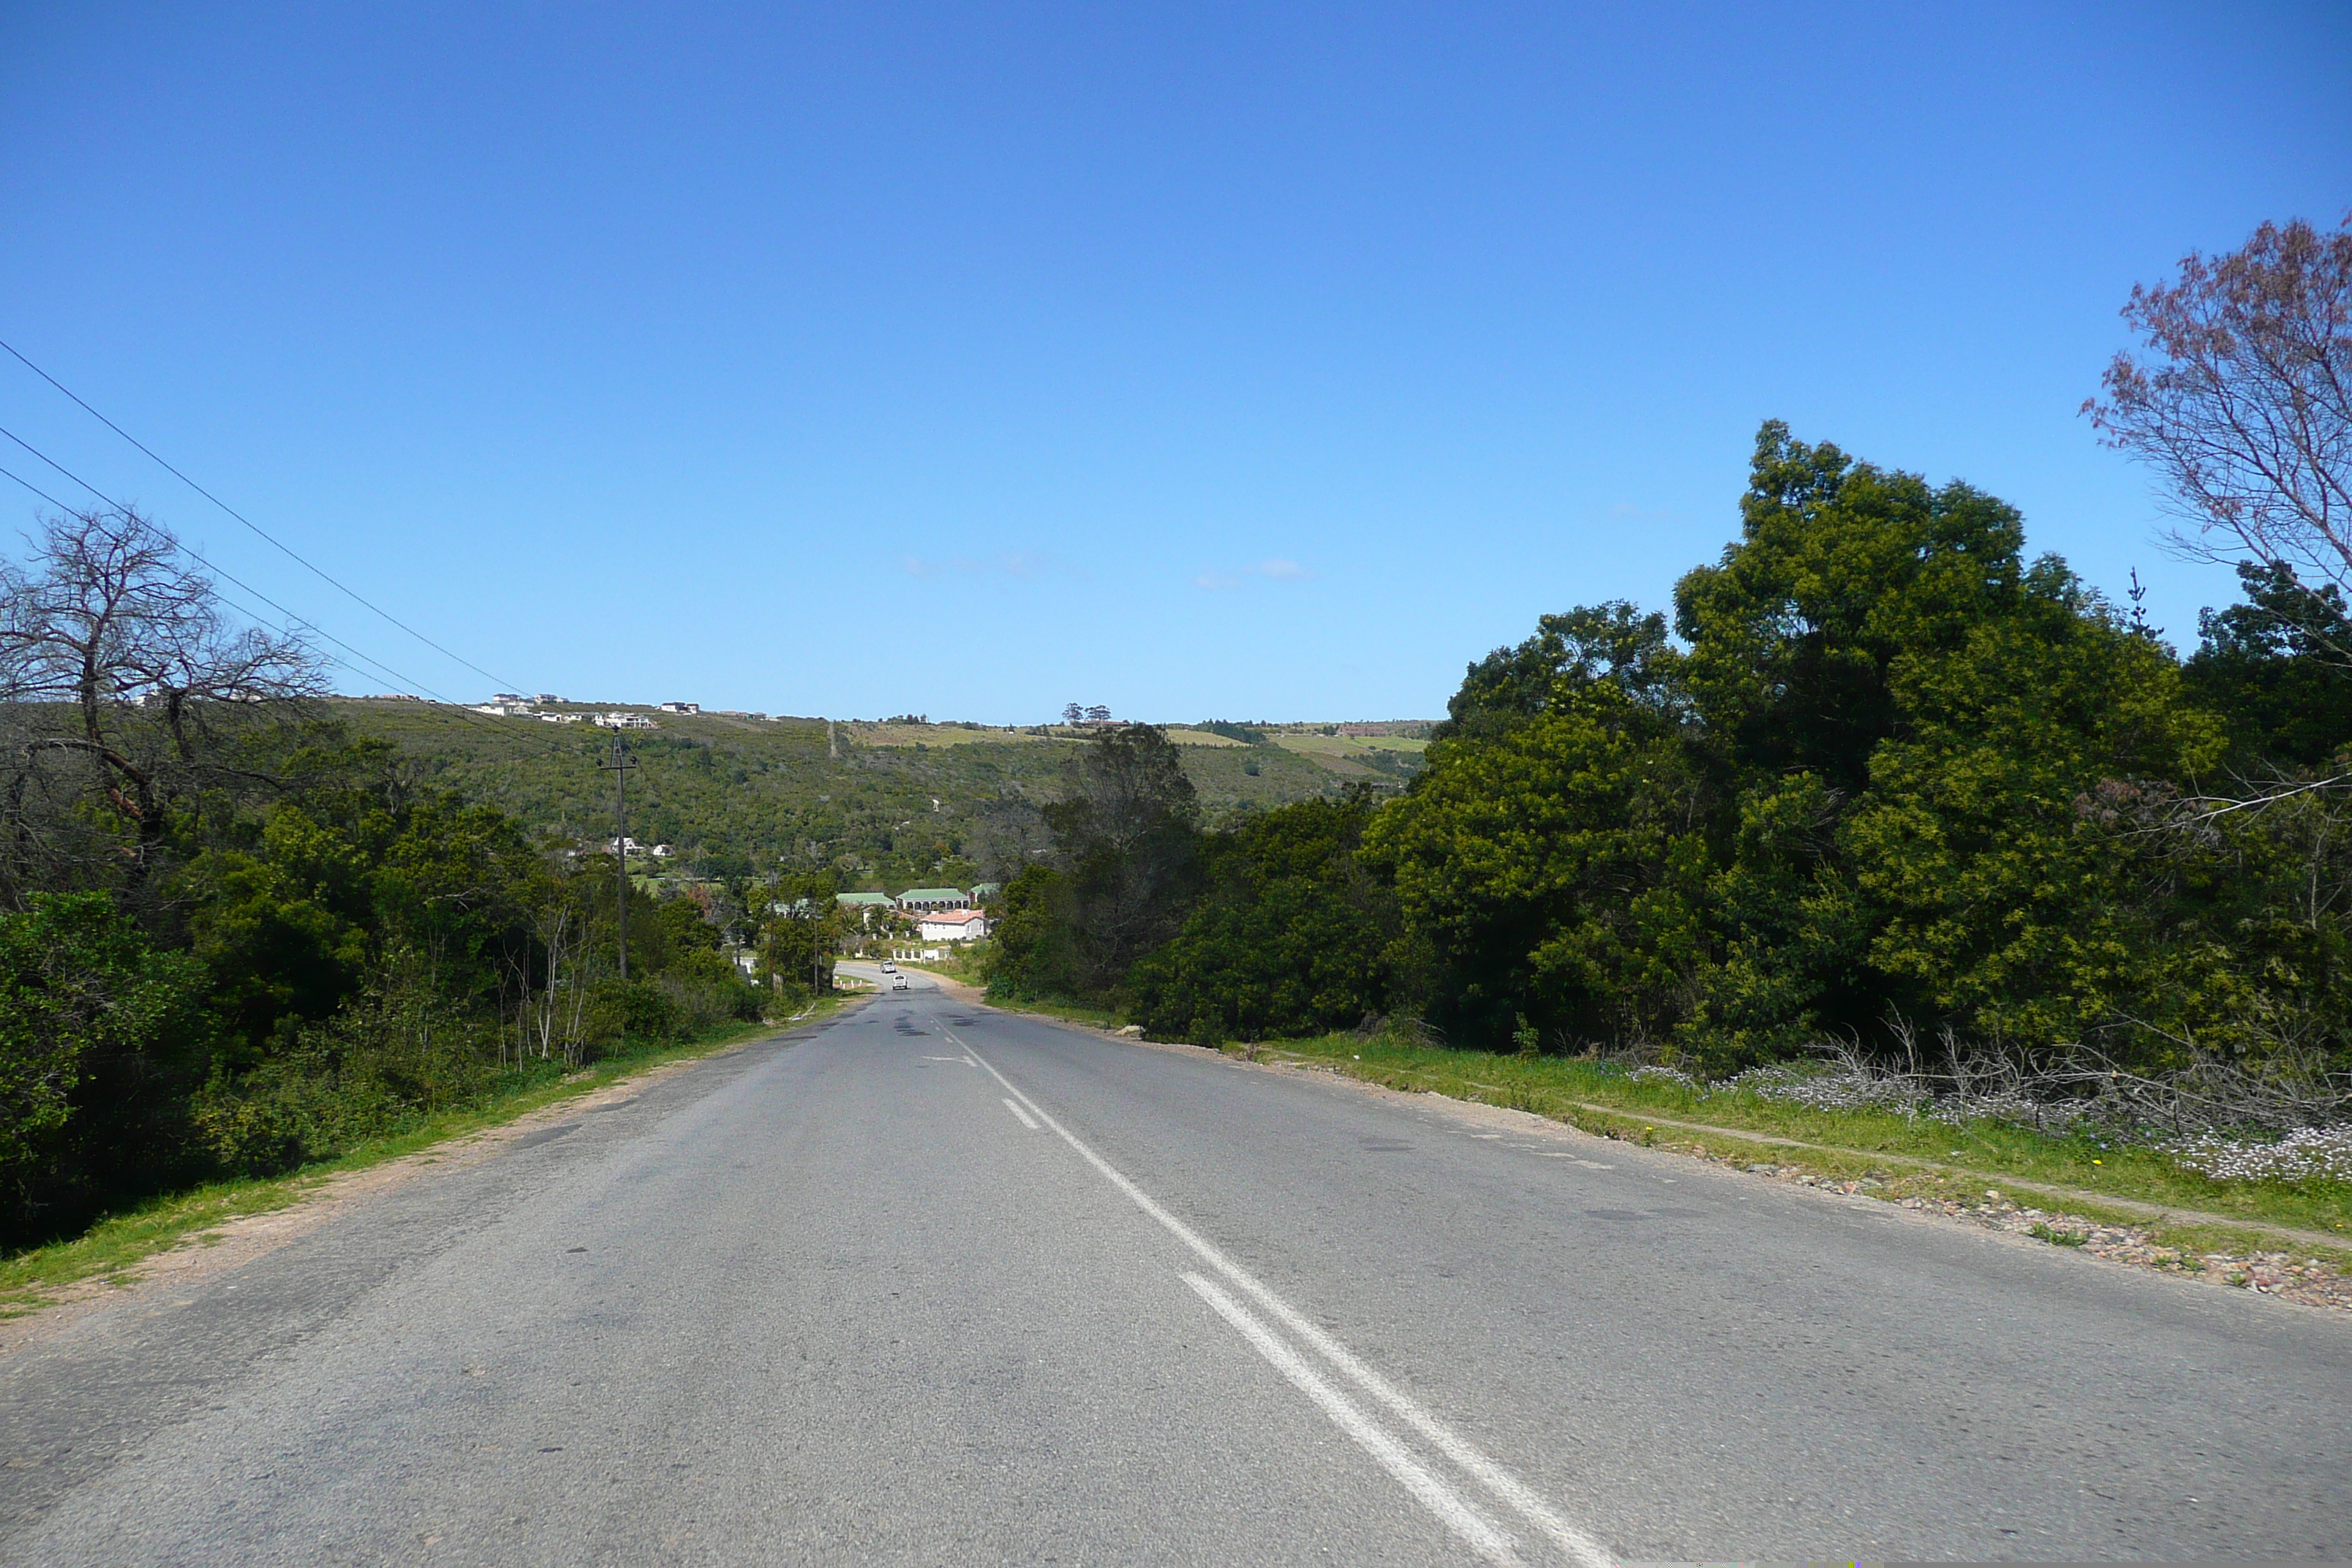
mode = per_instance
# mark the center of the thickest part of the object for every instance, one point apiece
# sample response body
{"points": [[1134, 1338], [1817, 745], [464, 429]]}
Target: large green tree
{"points": [[1854, 793], [1293, 935]]}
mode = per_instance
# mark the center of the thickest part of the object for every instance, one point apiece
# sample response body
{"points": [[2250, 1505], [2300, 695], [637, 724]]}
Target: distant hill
{"points": [[889, 803]]}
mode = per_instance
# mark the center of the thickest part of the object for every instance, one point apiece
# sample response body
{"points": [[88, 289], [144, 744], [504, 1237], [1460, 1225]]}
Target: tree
{"points": [[1122, 874], [1074, 712], [1614, 642], [119, 670], [1125, 840], [1856, 790], [1294, 935], [2269, 667], [88, 1012], [1552, 855], [2243, 407]]}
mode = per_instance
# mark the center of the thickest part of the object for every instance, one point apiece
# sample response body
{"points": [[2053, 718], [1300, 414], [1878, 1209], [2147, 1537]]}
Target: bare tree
{"points": [[117, 667], [2244, 405]]}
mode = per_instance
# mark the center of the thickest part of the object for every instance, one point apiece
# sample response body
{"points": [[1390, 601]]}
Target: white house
{"points": [[623, 721], [681, 706], [952, 925]]}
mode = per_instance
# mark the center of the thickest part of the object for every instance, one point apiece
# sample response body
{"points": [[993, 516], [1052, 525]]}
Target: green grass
{"points": [[1911, 1156], [1314, 743], [1068, 1012], [114, 1247]]}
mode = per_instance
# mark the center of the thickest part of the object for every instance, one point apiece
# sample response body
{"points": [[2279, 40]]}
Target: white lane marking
{"points": [[1434, 1494], [1021, 1113], [1578, 1545]]}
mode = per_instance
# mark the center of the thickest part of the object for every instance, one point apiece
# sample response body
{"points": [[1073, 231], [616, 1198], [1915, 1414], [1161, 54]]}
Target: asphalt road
{"points": [[932, 1284]]}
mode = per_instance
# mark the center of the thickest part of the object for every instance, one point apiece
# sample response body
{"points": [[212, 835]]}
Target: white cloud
{"points": [[1215, 580], [1283, 571]]}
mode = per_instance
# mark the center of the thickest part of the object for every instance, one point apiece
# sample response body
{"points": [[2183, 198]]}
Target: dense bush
{"points": [[1292, 935], [1889, 770], [1881, 777]]}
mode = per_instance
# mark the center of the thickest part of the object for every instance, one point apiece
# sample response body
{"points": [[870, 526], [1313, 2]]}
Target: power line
{"points": [[287, 549], [294, 620], [457, 710]]}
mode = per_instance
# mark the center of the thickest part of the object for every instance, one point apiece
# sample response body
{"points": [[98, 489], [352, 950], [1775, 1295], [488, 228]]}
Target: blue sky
{"points": [[1199, 361]]}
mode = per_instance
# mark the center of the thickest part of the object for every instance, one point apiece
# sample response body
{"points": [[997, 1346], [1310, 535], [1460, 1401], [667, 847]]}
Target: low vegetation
{"points": [[112, 1248], [1622, 1098]]}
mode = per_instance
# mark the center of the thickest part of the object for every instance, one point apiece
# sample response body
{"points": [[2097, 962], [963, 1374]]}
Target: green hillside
{"points": [[886, 803]]}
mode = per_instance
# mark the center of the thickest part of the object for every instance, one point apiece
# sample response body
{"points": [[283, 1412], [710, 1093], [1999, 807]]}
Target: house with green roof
{"points": [[919, 899], [865, 906]]}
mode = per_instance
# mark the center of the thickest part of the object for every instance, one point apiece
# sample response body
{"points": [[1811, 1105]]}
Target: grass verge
{"points": [[1067, 1012], [114, 1247], [1903, 1157]]}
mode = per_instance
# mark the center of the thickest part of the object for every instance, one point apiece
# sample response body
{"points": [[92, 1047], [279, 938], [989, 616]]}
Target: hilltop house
{"points": [[915, 899], [681, 706]]}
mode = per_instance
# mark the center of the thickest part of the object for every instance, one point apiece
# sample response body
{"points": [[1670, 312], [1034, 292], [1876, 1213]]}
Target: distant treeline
{"points": [[1881, 775]]}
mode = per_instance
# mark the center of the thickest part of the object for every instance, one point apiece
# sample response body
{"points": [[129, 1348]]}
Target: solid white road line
{"points": [[1434, 1494], [1580, 1547], [1021, 1113]]}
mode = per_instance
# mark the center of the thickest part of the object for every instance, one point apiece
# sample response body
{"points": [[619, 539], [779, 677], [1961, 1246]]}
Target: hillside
{"points": [[886, 803]]}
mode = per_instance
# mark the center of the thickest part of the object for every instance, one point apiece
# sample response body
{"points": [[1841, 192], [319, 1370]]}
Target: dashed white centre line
{"points": [[1021, 1113], [1501, 1484], [1434, 1495]]}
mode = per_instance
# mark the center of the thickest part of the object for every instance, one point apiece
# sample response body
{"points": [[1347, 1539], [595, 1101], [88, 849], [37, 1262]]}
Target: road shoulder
{"points": [[315, 1201]]}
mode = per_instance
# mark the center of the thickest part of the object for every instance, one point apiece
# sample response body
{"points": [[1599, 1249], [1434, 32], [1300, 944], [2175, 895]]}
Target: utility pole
{"points": [[619, 768]]}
